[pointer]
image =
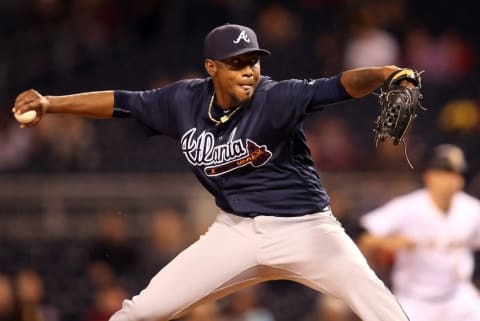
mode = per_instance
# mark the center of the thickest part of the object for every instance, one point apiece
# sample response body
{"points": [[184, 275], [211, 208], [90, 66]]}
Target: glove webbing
{"points": [[381, 137]]}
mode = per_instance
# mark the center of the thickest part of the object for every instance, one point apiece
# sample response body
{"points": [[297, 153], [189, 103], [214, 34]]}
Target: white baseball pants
{"points": [[237, 252]]}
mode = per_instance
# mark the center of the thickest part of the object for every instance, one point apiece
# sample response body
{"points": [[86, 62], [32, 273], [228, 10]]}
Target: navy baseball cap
{"points": [[449, 158], [231, 40]]}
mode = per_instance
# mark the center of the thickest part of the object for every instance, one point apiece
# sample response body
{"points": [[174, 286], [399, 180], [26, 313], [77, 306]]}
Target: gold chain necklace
{"points": [[224, 118]]}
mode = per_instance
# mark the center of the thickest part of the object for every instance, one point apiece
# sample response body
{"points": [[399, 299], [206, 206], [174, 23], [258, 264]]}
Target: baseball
{"points": [[27, 117]]}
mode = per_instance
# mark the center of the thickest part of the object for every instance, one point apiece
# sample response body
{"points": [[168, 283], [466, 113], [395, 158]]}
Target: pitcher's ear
{"points": [[210, 67]]}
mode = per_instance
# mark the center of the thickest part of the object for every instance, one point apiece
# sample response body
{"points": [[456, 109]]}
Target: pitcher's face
{"points": [[235, 79]]}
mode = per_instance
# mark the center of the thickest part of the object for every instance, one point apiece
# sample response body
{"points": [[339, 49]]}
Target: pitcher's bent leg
{"points": [[222, 254], [352, 280], [319, 254]]}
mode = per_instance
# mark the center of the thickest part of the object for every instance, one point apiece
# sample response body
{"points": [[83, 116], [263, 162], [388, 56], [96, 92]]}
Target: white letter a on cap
{"points": [[242, 36]]}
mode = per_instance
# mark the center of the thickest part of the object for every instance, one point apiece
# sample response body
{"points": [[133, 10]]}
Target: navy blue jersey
{"points": [[257, 163]]}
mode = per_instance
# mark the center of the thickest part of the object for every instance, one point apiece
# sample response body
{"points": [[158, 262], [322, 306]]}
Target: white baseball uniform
{"points": [[432, 281]]}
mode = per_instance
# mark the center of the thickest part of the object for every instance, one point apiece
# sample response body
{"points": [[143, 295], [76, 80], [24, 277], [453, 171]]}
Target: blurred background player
{"points": [[431, 233]]}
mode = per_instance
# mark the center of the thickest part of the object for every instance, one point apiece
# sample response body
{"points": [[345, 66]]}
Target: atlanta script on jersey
{"points": [[223, 158]]}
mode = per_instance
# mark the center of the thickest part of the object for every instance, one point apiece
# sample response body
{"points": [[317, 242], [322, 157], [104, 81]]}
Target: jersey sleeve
{"points": [[155, 109], [385, 220], [291, 100]]}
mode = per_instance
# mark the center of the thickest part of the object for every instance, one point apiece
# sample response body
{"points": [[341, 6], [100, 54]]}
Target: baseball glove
{"points": [[398, 106]]}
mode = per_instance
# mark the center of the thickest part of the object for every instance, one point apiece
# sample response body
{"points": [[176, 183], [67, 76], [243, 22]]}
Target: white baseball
{"points": [[27, 117]]}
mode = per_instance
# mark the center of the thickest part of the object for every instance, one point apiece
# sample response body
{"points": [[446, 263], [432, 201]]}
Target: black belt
{"points": [[252, 215]]}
